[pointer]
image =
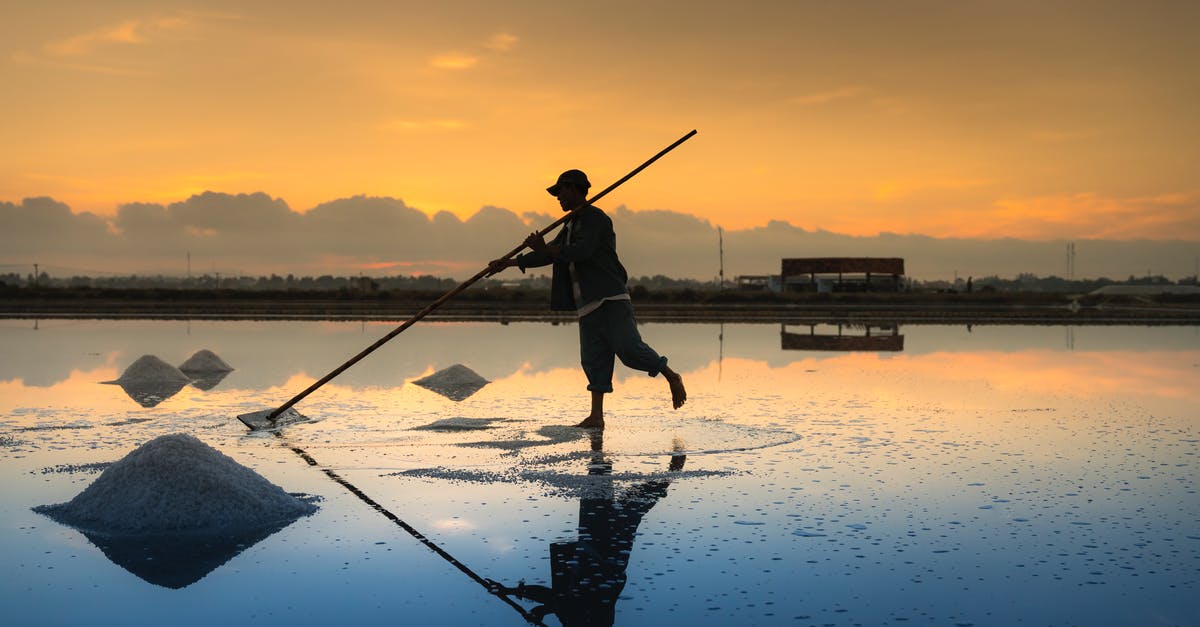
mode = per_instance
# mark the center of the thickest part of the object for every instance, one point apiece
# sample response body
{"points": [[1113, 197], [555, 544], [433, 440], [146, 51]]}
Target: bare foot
{"points": [[592, 422], [678, 394]]}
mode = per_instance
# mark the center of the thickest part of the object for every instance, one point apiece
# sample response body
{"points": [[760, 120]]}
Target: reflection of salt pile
{"points": [[206, 369], [455, 383], [176, 483], [150, 380]]}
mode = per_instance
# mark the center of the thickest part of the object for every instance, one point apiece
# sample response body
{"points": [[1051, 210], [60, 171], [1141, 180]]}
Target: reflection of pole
{"points": [[720, 350], [533, 620]]}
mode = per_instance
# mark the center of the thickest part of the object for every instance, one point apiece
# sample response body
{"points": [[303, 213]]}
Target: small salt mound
{"points": [[458, 424], [149, 368], [176, 483], [205, 361], [455, 383]]}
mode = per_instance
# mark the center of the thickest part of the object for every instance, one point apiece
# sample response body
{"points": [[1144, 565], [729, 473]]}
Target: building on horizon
{"points": [[842, 274]]}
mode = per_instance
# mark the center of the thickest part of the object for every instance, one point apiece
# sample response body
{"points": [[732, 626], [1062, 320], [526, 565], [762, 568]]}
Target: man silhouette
{"points": [[589, 279]]}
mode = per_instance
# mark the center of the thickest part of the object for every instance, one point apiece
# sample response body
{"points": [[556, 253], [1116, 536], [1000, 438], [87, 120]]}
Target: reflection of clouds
{"points": [[561, 483], [454, 524], [79, 386], [1143, 374], [281, 358], [270, 353]]}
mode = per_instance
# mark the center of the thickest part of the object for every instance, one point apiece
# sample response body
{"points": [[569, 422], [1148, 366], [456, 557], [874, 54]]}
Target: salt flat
{"points": [[979, 476]]}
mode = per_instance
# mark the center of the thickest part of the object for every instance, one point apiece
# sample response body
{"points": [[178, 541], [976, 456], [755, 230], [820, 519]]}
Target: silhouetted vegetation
{"points": [[327, 295], [655, 287]]}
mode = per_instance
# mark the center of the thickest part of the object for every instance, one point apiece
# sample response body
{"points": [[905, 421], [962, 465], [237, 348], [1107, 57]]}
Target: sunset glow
{"points": [[979, 120]]}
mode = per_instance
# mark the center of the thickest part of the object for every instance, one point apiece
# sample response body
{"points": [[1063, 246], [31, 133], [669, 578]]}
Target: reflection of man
{"points": [[589, 279], [588, 574]]}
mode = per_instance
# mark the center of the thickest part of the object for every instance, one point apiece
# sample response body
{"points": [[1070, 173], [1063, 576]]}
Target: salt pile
{"points": [[205, 369], [205, 362], [150, 380], [151, 369], [176, 483], [458, 424], [455, 383]]}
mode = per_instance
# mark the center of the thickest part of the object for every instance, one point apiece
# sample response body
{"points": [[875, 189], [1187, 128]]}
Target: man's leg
{"points": [[595, 420], [597, 360], [636, 354], [675, 382]]}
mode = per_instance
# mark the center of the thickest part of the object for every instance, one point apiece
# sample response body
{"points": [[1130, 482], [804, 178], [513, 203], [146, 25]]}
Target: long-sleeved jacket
{"points": [[587, 240]]}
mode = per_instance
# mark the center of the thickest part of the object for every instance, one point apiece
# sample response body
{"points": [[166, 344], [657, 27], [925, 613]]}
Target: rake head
{"points": [[258, 420]]}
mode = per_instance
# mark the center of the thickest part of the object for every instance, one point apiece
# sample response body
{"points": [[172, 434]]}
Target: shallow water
{"points": [[991, 475]]}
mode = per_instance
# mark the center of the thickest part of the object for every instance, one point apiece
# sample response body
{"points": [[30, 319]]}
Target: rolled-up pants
{"points": [[610, 332]]}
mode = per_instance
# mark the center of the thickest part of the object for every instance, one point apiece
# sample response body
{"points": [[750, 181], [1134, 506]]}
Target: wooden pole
{"points": [[462, 286]]}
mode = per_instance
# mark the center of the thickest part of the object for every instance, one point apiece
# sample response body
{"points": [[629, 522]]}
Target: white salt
{"points": [[176, 483], [205, 361], [455, 383], [458, 423], [149, 368]]}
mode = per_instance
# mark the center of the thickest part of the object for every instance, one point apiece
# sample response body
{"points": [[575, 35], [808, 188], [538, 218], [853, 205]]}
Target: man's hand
{"points": [[499, 265], [537, 244]]}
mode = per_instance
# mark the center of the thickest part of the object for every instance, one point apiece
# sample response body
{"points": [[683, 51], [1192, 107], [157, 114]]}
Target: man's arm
{"points": [[528, 260], [591, 230], [496, 266]]}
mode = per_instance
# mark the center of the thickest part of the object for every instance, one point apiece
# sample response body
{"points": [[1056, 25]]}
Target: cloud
{"points": [[462, 60], [128, 32], [257, 234], [98, 50], [1091, 215], [124, 33], [501, 42], [42, 227], [825, 97], [454, 61], [897, 189]]}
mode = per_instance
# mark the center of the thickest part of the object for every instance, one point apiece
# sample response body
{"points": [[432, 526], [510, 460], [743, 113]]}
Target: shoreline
{"points": [[909, 311]]}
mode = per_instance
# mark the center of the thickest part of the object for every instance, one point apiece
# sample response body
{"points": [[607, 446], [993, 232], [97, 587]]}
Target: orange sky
{"points": [[981, 119]]}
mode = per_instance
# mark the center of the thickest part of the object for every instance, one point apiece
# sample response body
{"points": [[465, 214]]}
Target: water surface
{"points": [[928, 475]]}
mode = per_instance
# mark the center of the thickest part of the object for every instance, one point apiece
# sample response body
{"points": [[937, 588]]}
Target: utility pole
{"points": [[35, 274], [721, 249], [1071, 260]]}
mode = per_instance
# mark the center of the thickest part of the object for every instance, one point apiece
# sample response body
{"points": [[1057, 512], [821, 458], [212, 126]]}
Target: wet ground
{"points": [[992, 475]]}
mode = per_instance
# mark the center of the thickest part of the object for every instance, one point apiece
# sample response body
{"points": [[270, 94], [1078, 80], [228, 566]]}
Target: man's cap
{"points": [[570, 177]]}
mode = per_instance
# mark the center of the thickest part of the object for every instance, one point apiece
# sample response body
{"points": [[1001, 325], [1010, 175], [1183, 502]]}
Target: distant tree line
{"points": [[644, 286], [1028, 282]]}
